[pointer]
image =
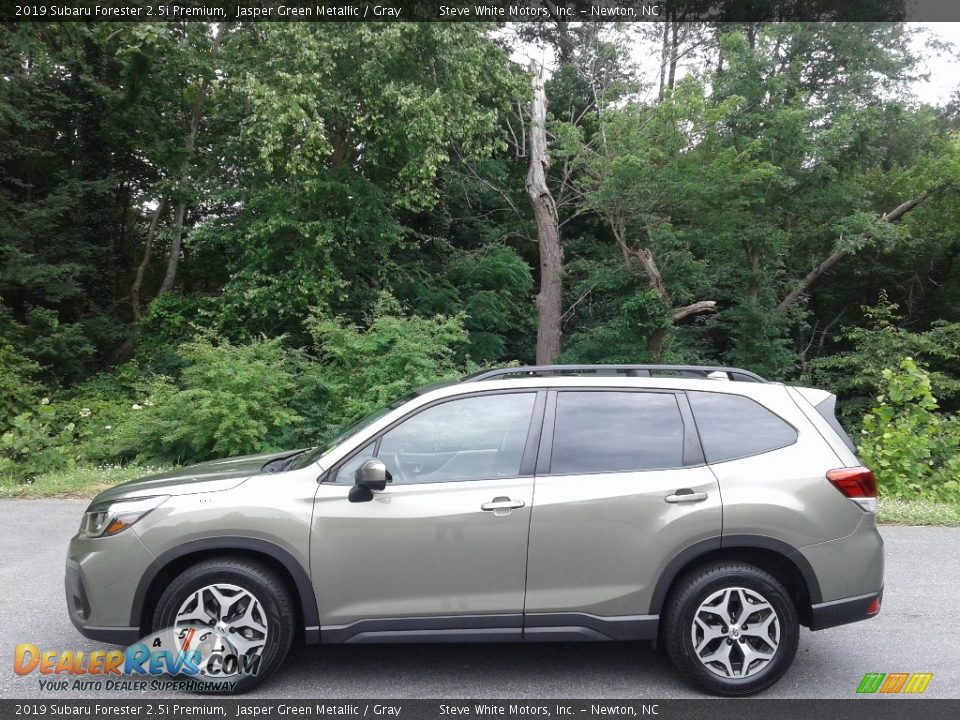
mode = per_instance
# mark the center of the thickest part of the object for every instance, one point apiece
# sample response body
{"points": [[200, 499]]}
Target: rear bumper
{"points": [[845, 610], [849, 571]]}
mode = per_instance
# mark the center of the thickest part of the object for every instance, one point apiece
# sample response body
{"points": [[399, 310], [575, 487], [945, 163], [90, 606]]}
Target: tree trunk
{"points": [[824, 267], [664, 57], [550, 298], [647, 260], [674, 54], [142, 267], [190, 142]]}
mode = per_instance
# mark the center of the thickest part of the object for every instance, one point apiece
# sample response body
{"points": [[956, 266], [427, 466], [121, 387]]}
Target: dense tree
{"points": [[186, 205]]}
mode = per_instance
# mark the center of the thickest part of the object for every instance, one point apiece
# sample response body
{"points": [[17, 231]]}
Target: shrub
{"points": [[364, 369], [102, 405], [913, 449], [229, 400], [18, 391], [37, 442], [856, 374]]}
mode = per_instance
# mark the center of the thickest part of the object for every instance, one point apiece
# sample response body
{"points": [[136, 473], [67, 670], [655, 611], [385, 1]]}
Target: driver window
{"points": [[471, 438]]}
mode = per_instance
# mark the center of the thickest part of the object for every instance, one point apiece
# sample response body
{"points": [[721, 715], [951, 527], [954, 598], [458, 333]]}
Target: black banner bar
{"points": [[479, 11], [874, 708]]}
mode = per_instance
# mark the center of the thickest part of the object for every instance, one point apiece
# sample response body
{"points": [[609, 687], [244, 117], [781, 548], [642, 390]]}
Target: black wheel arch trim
{"points": [[228, 543], [763, 542]]}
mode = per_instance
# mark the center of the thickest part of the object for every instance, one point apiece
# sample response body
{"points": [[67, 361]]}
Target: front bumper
{"points": [[100, 581]]}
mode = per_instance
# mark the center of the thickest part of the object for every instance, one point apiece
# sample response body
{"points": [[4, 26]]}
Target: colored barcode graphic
{"points": [[891, 683]]}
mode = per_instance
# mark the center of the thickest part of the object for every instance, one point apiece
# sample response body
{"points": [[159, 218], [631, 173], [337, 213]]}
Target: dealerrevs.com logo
{"points": [[892, 683], [185, 658]]}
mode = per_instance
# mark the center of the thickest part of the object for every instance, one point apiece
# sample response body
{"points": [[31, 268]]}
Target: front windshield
{"points": [[323, 448]]}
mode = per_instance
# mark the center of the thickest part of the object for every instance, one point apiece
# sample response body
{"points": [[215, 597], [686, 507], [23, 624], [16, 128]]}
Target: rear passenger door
{"points": [[621, 489]]}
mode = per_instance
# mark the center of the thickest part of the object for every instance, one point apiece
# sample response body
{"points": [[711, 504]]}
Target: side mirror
{"points": [[372, 474]]}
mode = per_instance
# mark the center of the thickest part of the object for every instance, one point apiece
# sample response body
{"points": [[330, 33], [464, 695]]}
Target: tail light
{"points": [[858, 484]]}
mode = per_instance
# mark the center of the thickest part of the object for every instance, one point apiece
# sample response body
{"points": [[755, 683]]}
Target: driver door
{"points": [[442, 551]]}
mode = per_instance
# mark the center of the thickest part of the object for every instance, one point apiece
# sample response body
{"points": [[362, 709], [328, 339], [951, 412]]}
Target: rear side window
{"points": [[827, 410], [733, 426], [603, 431]]}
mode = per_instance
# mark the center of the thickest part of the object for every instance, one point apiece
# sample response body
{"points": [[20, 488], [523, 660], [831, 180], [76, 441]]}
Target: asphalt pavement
{"points": [[918, 630]]}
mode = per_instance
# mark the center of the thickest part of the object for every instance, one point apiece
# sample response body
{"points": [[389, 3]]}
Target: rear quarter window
{"points": [[734, 426]]}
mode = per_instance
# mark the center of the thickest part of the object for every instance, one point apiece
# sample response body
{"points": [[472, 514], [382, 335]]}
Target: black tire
{"points": [[698, 586], [255, 578]]}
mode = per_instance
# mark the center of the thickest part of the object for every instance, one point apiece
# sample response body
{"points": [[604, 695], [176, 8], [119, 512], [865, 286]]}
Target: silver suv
{"points": [[699, 507]]}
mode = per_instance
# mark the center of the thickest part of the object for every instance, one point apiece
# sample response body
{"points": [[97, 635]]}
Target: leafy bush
{"points": [[38, 442], [101, 406], [222, 399], [913, 449], [18, 391], [63, 350], [364, 369], [856, 375], [170, 321], [229, 400]]}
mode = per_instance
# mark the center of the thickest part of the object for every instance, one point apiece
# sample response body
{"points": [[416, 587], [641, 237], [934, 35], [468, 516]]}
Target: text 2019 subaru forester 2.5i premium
{"points": [[703, 507]]}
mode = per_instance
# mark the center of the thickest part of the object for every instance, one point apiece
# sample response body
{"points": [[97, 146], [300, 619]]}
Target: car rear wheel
{"points": [[237, 614], [731, 628]]}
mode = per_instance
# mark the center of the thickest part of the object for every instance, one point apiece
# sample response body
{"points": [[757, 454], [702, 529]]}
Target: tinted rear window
{"points": [[616, 431], [827, 410], [733, 426]]}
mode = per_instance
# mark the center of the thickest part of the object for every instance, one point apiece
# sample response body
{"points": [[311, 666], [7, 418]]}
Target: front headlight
{"points": [[115, 517]]}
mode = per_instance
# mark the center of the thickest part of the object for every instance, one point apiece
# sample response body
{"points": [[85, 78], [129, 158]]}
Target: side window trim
{"points": [[692, 449], [545, 454], [528, 462], [693, 455], [529, 452]]}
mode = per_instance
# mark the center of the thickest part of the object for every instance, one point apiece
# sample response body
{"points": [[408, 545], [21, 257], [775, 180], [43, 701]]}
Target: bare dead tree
{"points": [[550, 298]]}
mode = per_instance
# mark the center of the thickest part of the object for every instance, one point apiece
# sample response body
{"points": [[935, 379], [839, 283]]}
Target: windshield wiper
{"points": [[288, 461], [284, 463]]}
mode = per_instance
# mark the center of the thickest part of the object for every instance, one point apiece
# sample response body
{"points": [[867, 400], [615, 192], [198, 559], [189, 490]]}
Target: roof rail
{"points": [[714, 372]]}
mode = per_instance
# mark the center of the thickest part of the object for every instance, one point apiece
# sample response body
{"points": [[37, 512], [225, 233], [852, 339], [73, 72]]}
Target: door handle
{"points": [[686, 495], [502, 505]]}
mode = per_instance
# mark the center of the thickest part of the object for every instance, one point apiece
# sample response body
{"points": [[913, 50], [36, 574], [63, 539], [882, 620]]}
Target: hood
{"points": [[209, 476]]}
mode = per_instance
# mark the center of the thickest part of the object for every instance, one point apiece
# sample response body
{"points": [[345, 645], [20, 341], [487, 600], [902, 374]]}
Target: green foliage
{"points": [[100, 407], [18, 390], [38, 441], [495, 285], [856, 375], [336, 166], [229, 400], [364, 369], [63, 349], [913, 449]]}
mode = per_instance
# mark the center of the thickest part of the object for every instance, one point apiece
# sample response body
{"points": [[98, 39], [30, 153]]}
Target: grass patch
{"points": [[918, 512], [79, 482]]}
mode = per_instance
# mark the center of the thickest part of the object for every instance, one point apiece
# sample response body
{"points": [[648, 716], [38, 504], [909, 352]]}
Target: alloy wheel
{"points": [[735, 632], [234, 614]]}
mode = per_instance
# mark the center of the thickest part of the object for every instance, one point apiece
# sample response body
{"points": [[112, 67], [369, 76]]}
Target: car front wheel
{"points": [[731, 628], [236, 614]]}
